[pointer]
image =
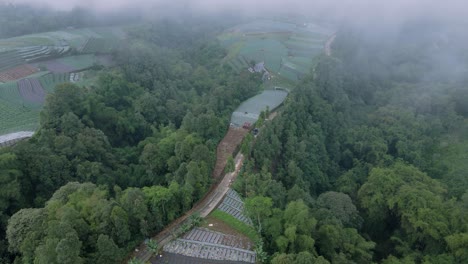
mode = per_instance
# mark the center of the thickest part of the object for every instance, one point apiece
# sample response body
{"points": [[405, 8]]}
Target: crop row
{"points": [[17, 73], [31, 90], [49, 81]]}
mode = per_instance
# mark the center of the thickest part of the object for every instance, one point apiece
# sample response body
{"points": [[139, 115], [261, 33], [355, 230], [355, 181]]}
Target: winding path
{"points": [[211, 200]]}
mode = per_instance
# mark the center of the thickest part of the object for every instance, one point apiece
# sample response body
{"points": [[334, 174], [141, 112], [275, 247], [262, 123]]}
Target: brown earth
{"points": [[227, 147], [17, 73], [222, 227]]}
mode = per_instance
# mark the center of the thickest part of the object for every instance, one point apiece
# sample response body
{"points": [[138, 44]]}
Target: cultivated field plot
{"points": [[9, 93], [275, 42], [79, 62], [17, 117], [10, 59], [99, 45], [24, 57], [206, 250], [69, 64], [227, 147], [250, 110], [181, 259], [31, 91], [74, 38], [233, 205], [35, 53], [18, 72], [56, 66], [212, 237], [49, 81]]}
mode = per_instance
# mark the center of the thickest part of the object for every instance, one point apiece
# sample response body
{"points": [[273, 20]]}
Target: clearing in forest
{"points": [[227, 147], [46, 60], [287, 48]]}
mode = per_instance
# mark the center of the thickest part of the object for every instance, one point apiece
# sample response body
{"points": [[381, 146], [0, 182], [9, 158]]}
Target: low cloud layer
{"points": [[358, 9]]}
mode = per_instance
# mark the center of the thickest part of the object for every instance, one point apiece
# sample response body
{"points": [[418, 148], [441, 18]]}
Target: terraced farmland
{"points": [[36, 53], [10, 59], [74, 38], [18, 72], [49, 81], [275, 42], [70, 63], [44, 60], [17, 117], [9, 93], [79, 62], [207, 250], [31, 91], [99, 45], [233, 205], [212, 237]]}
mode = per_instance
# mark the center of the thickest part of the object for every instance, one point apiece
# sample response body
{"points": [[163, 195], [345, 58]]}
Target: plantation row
{"points": [[16, 73], [238, 63], [16, 117], [36, 53], [9, 93], [10, 59], [208, 236], [31, 90], [99, 45], [20, 102], [233, 205], [13, 58], [209, 251], [49, 81]]}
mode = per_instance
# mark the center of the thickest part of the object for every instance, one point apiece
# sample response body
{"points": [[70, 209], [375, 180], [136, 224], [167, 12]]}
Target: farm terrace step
{"points": [[208, 236], [209, 251], [233, 205]]}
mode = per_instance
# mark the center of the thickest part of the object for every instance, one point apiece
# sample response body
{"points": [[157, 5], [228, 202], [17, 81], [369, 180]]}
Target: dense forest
{"points": [[113, 163], [367, 160]]}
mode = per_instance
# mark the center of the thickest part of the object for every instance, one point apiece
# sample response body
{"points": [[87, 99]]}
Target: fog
{"points": [[360, 11], [377, 20]]}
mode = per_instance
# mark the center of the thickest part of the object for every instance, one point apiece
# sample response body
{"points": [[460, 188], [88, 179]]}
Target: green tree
{"points": [[258, 208], [152, 246], [108, 251], [230, 165]]}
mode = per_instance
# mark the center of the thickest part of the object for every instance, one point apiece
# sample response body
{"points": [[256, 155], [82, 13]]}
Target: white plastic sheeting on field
{"points": [[250, 110]]}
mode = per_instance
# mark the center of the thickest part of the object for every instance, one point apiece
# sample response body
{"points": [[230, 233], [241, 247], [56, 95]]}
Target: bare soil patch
{"points": [[219, 226], [17, 73], [227, 147]]}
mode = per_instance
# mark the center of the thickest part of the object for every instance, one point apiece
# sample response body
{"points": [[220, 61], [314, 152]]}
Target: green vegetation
{"points": [[17, 114], [364, 165], [79, 62], [111, 165], [237, 225], [274, 42], [50, 81]]}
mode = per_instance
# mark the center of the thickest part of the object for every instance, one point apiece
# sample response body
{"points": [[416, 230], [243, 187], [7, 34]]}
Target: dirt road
{"points": [[209, 202]]}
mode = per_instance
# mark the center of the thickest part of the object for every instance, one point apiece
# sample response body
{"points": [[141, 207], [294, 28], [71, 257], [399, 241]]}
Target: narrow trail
{"points": [[212, 198]]}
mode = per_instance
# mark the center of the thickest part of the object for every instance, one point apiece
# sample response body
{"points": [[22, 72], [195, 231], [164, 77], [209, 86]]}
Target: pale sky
{"points": [[361, 10]]}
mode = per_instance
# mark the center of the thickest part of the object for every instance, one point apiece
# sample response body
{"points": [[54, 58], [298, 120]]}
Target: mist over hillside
{"points": [[194, 131]]}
